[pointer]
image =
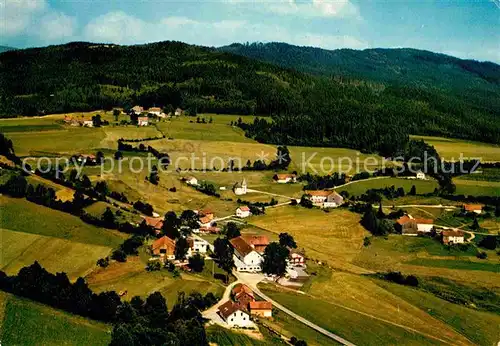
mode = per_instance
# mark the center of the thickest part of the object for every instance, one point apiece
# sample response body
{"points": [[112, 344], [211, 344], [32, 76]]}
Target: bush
{"points": [[119, 255], [367, 241], [153, 266], [482, 255], [103, 262]]}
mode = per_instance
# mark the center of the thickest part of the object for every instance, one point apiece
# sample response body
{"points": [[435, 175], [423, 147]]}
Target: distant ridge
{"points": [[6, 48], [405, 66]]}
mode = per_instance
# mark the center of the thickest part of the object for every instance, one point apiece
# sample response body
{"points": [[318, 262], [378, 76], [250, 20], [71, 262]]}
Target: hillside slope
{"points": [[479, 82], [306, 109]]}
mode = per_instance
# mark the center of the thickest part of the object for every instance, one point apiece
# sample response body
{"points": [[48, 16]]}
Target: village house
{"points": [[206, 213], [285, 178], [246, 259], [155, 111], [142, 121], [257, 242], [453, 237], [209, 230], [190, 180], [197, 245], [242, 294], [243, 211], [178, 112], [424, 225], [261, 308], [155, 222], [240, 188], [164, 248], [473, 208], [406, 225], [205, 222], [296, 258], [420, 175], [137, 110], [297, 274], [234, 315], [325, 199], [88, 123]]}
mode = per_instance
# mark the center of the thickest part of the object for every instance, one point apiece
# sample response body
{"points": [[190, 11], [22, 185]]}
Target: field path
{"points": [[358, 181], [269, 193]]}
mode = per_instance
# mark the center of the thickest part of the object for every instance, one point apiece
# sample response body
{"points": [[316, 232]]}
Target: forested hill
{"points": [[306, 109], [476, 82]]}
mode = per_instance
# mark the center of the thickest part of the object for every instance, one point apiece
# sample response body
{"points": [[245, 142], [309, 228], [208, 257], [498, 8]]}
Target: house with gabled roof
{"points": [[155, 110], [164, 247], [473, 208], [246, 258], [257, 242], [137, 110], [243, 211], [261, 308], [453, 237], [325, 198], [235, 314], [285, 178], [143, 121]]}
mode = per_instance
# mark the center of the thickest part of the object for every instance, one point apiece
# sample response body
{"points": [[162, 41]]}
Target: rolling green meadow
{"points": [[24, 322]]}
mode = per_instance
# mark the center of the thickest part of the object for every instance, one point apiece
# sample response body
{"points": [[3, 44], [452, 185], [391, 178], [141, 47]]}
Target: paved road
{"points": [[252, 280]]}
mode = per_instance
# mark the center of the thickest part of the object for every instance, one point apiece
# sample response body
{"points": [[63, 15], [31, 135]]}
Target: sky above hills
{"points": [[464, 28]]}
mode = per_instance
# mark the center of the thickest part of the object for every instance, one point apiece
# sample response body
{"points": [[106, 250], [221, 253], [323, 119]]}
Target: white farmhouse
{"points": [[142, 121], [420, 175], [191, 180], [234, 315], [285, 178], [155, 110], [246, 258], [197, 245], [325, 199], [88, 123], [240, 189], [424, 225], [137, 110], [453, 237], [243, 211]]}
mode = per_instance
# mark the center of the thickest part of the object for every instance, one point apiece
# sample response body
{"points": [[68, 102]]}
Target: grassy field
{"points": [[396, 253], [450, 149], [361, 328], [219, 130], [325, 161], [454, 264], [98, 208], [21, 249], [23, 216], [485, 174], [335, 237], [477, 187], [360, 187], [29, 323], [132, 277], [481, 328], [63, 193]]}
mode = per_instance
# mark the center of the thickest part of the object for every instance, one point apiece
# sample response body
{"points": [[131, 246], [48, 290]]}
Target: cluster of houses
{"points": [[248, 257], [156, 111], [325, 198], [237, 311], [69, 120], [164, 248], [411, 226]]}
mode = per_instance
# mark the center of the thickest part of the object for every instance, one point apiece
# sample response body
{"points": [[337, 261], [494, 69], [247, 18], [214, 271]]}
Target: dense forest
{"points": [[306, 109]]}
